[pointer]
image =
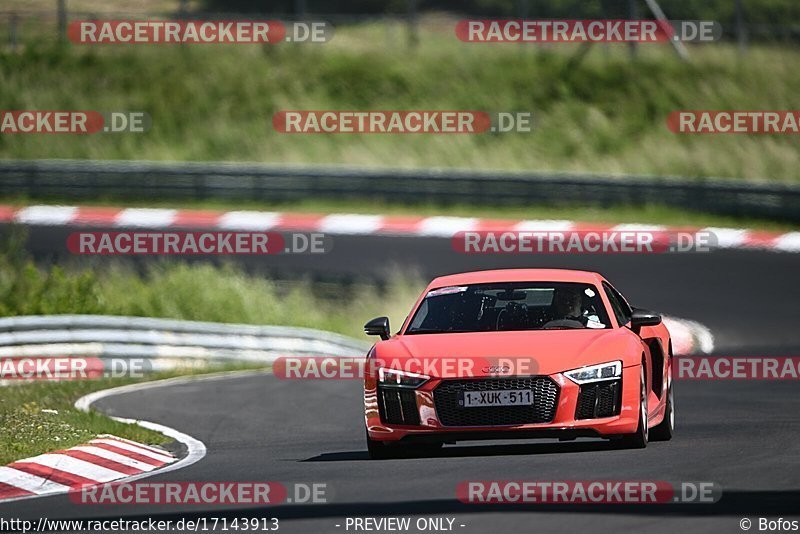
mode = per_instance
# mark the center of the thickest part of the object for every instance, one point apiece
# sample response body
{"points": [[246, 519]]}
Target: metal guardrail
{"points": [[127, 180], [127, 337]]}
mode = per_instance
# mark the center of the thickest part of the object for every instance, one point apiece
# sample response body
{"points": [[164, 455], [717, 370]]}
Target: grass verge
{"points": [[202, 292], [606, 113]]}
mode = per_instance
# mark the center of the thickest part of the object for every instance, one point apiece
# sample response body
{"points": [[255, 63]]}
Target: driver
{"points": [[568, 304]]}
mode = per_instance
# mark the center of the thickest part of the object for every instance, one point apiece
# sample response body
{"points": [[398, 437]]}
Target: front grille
{"points": [[598, 400], [543, 409], [398, 406]]}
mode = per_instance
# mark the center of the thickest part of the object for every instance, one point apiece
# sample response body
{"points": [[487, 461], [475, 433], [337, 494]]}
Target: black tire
{"points": [[379, 450], [638, 440], [666, 428]]}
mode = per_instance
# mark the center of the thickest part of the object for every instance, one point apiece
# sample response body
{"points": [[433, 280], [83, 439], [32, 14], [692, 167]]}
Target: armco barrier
{"points": [[119, 336], [126, 180], [128, 337]]}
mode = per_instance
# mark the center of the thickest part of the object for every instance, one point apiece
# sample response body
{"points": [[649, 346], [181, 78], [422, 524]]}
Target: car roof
{"points": [[517, 275]]}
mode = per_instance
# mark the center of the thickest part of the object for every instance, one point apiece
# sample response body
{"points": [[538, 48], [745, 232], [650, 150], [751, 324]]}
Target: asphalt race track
{"points": [[739, 435]]}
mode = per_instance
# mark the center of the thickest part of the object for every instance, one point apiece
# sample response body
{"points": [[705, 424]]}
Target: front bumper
{"points": [[561, 411]]}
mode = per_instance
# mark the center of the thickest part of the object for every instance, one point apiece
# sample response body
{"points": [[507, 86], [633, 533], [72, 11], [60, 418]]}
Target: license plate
{"points": [[508, 397]]}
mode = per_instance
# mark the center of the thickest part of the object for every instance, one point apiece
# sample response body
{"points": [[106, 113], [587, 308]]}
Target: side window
{"points": [[616, 305], [626, 309]]}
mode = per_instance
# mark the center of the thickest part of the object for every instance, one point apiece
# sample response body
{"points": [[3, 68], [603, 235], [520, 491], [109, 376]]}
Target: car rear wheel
{"points": [[665, 429], [638, 440]]}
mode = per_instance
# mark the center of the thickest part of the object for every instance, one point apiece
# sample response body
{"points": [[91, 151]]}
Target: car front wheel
{"points": [[379, 450], [666, 428], [638, 440]]}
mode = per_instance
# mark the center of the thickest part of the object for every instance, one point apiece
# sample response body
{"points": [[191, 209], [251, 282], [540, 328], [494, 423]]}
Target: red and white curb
{"points": [[689, 337], [103, 459], [60, 472], [358, 224]]}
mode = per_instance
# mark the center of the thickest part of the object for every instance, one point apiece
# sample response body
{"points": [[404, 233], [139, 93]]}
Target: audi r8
{"points": [[518, 353]]}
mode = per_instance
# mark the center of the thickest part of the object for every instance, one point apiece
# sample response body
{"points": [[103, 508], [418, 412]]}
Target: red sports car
{"points": [[525, 353]]}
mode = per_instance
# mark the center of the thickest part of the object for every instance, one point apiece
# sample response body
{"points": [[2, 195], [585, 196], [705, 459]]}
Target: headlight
{"points": [[400, 379], [595, 373]]}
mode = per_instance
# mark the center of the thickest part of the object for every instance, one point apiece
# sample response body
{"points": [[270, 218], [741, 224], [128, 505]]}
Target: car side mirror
{"points": [[378, 327], [640, 318]]}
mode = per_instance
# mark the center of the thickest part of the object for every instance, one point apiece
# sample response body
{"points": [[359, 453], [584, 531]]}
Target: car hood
{"points": [[529, 352]]}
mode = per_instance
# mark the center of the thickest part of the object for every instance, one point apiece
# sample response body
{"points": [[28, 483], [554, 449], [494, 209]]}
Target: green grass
{"points": [[202, 292], [29, 427], [606, 114], [27, 430], [198, 292]]}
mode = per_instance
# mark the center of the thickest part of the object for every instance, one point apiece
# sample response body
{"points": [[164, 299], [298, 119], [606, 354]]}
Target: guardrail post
{"points": [[13, 37], [62, 19], [741, 31], [633, 14], [413, 34]]}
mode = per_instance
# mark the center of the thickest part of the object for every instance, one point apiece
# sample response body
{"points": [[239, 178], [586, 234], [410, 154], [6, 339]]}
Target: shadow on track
{"points": [[480, 450]]}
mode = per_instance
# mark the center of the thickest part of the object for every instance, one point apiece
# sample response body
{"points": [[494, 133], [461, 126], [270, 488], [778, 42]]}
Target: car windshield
{"points": [[510, 306]]}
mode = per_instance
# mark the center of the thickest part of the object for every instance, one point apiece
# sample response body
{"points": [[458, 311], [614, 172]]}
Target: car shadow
{"points": [[465, 451]]}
